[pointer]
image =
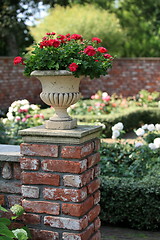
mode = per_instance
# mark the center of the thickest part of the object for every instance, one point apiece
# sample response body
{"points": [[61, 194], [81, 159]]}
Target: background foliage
{"points": [[90, 21]]}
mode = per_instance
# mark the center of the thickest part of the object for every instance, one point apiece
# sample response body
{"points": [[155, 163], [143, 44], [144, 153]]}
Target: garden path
{"points": [[118, 233]]}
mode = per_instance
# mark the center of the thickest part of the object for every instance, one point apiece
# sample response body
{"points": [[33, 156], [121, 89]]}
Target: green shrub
{"points": [[90, 21], [126, 160], [131, 202]]}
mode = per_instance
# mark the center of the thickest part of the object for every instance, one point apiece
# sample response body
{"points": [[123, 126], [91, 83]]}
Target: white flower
{"points": [[151, 127], [157, 142], [145, 126], [119, 126], [140, 132], [10, 116], [24, 102], [157, 126], [138, 144], [34, 107], [115, 134], [104, 94], [152, 146], [4, 120], [24, 107], [10, 109]]}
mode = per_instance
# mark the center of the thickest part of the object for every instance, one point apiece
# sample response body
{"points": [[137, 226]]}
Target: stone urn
{"points": [[60, 89]]}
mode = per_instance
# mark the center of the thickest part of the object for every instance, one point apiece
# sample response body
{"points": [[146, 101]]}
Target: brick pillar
{"points": [[60, 185]]}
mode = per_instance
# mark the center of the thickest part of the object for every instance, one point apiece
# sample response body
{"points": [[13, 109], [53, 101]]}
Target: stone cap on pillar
{"points": [[78, 135]]}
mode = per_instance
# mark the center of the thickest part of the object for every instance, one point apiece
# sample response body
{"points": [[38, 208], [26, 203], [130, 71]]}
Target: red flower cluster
{"points": [[97, 40], [18, 60], [73, 67], [90, 51], [50, 43]]}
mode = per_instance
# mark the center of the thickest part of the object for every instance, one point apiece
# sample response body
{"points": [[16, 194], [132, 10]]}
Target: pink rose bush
{"points": [[69, 52]]}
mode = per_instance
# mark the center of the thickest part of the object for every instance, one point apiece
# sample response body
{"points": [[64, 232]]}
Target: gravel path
{"points": [[117, 233]]}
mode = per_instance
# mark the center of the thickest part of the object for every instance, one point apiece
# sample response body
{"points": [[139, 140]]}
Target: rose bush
{"points": [[21, 114], [67, 52]]}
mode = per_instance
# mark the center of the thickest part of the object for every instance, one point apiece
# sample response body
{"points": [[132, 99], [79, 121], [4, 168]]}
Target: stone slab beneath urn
{"points": [[59, 125], [77, 135]]}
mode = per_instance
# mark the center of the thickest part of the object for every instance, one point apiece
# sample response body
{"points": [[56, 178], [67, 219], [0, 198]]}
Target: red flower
{"points": [[90, 51], [102, 50], [52, 33], [76, 37], [18, 60], [55, 43], [95, 39], [107, 55], [50, 43], [73, 67]]}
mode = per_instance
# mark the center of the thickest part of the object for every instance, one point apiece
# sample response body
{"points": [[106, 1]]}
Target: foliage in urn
{"points": [[68, 52]]}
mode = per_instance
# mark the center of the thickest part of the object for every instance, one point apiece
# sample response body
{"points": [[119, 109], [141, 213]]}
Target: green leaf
{"points": [[5, 238], [5, 231], [3, 209], [5, 221]]}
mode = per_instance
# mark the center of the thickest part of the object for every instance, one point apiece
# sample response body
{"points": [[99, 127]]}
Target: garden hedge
{"points": [[131, 118], [131, 202]]}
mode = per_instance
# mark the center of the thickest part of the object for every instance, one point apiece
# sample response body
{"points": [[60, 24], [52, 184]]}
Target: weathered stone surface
{"points": [[7, 171], [77, 135]]}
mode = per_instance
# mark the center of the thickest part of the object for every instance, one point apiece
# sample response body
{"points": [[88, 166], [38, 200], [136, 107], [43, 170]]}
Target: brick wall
{"points": [[127, 78]]}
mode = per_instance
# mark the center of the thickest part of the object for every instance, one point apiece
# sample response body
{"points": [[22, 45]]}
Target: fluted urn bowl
{"points": [[60, 89]]}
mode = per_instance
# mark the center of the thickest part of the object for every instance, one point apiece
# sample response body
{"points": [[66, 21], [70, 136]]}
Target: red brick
{"points": [[97, 144], [44, 235], [64, 166], [29, 218], [66, 195], [41, 207], [85, 235], [30, 192], [97, 224], [93, 213], [77, 151], [40, 178], [16, 171], [79, 180], [79, 209], [93, 186], [2, 200], [97, 171], [13, 199], [48, 150], [96, 236], [66, 223], [97, 196], [93, 159], [29, 163]]}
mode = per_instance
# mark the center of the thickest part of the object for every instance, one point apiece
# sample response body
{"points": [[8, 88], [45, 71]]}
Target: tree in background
{"points": [[141, 21], [14, 33], [87, 20]]}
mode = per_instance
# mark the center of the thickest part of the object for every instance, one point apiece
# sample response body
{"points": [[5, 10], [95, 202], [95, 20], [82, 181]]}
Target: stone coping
{"points": [[9, 153], [77, 135]]}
